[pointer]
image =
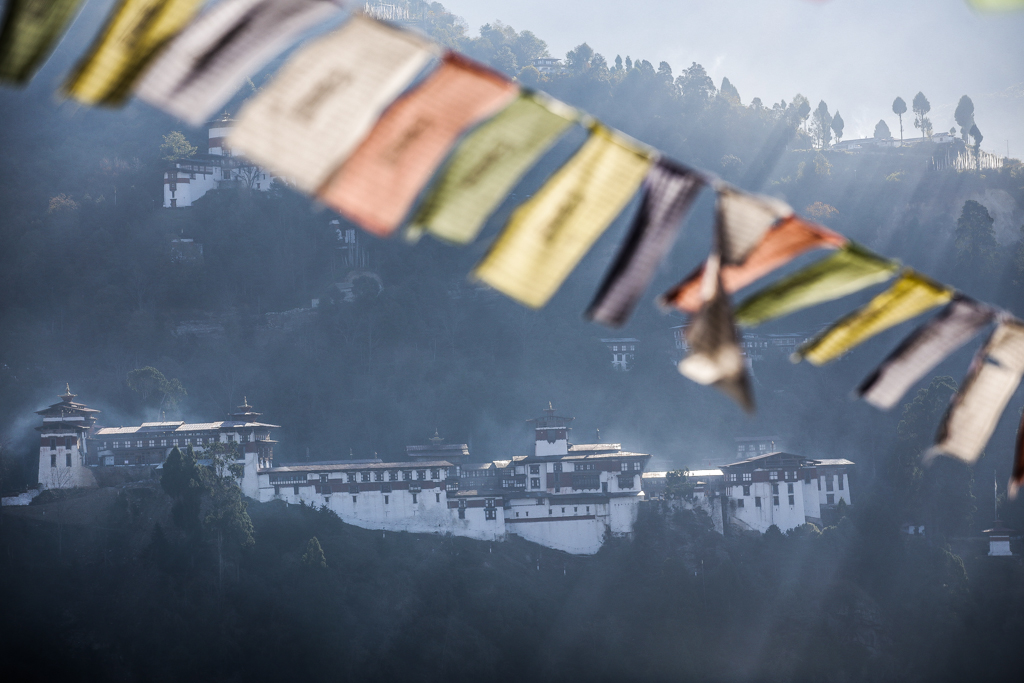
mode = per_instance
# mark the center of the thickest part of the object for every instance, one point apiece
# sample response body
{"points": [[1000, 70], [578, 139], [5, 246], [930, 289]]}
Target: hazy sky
{"points": [[857, 55]]}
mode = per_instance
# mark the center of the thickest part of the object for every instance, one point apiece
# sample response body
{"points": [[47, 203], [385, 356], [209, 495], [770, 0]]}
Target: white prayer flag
{"points": [[743, 219], [326, 99], [975, 410], [207, 63]]}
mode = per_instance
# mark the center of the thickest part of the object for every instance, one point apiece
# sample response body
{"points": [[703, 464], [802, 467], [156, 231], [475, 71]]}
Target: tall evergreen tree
{"points": [[921, 108], [837, 126], [882, 130], [964, 116], [899, 107]]}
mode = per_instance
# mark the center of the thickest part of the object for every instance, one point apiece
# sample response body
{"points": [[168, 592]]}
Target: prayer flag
{"points": [[326, 98], [991, 380], [1017, 475], [486, 166], [925, 348], [378, 184], [743, 219], [910, 296], [715, 356], [31, 30], [792, 237], [548, 235], [204, 66], [134, 34], [669, 190], [849, 270]]}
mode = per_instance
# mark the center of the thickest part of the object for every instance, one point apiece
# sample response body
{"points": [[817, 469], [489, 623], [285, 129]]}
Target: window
{"points": [[490, 513], [757, 501], [406, 475], [387, 499], [53, 459], [462, 510], [828, 482], [732, 477], [563, 511], [393, 476], [739, 503], [117, 444], [775, 489], [773, 475], [421, 474], [378, 476], [353, 500], [792, 499], [626, 481], [830, 499], [789, 488], [67, 459], [534, 469], [163, 442], [623, 466], [588, 509], [775, 501], [188, 442], [138, 443], [807, 476], [636, 465], [385, 488], [277, 490], [819, 483], [414, 498], [840, 478], [296, 489], [746, 490], [747, 476], [575, 510], [557, 467], [365, 476], [535, 482], [434, 473], [551, 511], [488, 502], [351, 477], [437, 497], [174, 442]]}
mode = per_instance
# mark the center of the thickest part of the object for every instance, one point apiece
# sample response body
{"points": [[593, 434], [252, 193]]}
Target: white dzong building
{"points": [[569, 497], [219, 168], [64, 444], [784, 490]]}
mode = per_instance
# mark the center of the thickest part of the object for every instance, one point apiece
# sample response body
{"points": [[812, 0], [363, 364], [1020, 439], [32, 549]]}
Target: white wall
{"points": [[62, 476]]}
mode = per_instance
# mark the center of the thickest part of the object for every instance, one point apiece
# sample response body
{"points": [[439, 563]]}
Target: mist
{"points": [[352, 348]]}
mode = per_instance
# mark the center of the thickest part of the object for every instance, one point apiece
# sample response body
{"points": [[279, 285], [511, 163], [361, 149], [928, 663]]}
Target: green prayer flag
{"points": [[486, 166], [849, 270], [31, 30]]}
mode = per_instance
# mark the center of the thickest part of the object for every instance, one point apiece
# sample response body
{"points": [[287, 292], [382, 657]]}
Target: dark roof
{"points": [[768, 460]]}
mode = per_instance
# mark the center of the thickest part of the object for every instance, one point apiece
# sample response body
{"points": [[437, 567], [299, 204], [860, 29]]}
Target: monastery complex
{"points": [[566, 496]]}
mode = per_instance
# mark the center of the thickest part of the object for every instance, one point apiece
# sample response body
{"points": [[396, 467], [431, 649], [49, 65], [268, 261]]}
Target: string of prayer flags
{"points": [[31, 30], [487, 164], [790, 238], [134, 34], [911, 295], [325, 99], [849, 270], [925, 348], [378, 184], [991, 380], [548, 235], [743, 219], [668, 193], [715, 356], [207, 63]]}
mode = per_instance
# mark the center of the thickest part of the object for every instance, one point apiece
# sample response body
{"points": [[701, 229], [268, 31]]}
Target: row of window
{"points": [[551, 511], [67, 459], [184, 441], [65, 441]]}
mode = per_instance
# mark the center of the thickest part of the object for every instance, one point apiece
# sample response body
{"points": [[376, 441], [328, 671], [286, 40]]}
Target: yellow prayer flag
{"points": [[548, 235], [911, 295], [135, 32]]}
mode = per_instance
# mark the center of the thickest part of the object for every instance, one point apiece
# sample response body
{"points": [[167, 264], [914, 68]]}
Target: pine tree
{"points": [[314, 555]]}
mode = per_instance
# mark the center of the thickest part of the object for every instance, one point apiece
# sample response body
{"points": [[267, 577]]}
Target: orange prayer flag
{"points": [[380, 181], [783, 243]]}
